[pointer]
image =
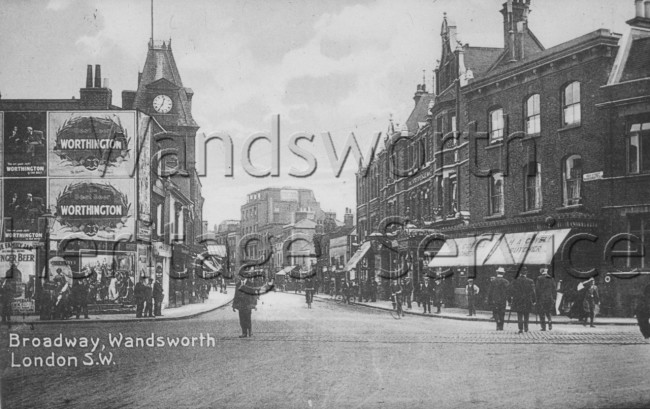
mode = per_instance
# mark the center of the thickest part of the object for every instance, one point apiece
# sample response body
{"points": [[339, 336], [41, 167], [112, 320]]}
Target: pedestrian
{"points": [[79, 297], [148, 298], [139, 295], [643, 312], [546, 292], [373, 290], [591, 301], [158, 296], [407, 291], [345, 290], [7, 290], [245, 302], [522, 298], [396, 296], [436, 292], [498, 297], [472, 291], [309, 291], [424, 293]]}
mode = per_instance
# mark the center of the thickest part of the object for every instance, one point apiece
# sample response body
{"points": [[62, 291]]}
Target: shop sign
{"points": [[590, 177], [161, 249]]}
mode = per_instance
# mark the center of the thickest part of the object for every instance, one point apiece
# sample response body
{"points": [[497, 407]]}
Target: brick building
{"points": [[119, 181], [527, 147]]}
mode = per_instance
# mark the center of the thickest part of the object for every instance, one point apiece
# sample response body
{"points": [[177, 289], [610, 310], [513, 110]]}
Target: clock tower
{"points": [[175, 195]]}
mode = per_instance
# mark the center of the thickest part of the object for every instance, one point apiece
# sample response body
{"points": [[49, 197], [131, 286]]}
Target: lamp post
{"points": [[47, 216]]}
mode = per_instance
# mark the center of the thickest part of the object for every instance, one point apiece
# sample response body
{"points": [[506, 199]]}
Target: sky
{"points": [[331, 66]]}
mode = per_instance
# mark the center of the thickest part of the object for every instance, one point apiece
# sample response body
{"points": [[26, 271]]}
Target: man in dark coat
{"points": [[522, 297], [245, 301], [546, 293], [498, 297], [158, 296], [407, 287], [643, 312], [435, 289], [472, 291], [80, 292], [139, 295], [148, 298], [345, 291], [373, 290], [7, 289], [422, 296]]}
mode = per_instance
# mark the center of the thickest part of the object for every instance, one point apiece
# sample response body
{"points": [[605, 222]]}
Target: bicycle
{"points": [[397, 313]]}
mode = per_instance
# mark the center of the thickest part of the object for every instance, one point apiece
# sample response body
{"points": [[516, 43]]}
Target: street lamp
{"points": [[47, 216]]}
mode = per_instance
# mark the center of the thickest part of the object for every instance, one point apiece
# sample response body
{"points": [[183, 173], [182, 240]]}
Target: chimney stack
{"points": [[89, 76], [515, 17], [98, 76]]}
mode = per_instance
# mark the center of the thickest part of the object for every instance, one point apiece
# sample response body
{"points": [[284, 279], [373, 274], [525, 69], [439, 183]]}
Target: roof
{"points": [[480, 59], [341, 231], [563, 49], [419, 113], [47, 105], [638, 62]]}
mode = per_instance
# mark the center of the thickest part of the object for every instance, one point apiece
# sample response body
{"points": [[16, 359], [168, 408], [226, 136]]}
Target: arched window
{"points": [[533, 122], [496, 125], [532, 186], [495, 189], [571, 104], [572, 180]]}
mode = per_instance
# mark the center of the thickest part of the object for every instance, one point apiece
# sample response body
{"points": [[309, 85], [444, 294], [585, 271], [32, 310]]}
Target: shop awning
{"points": [[465, 251], [531, 248], [356, 257], [218, 250]]}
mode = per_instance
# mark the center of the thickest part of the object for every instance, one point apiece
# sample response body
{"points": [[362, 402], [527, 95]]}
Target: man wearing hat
{"points": [[498, 296], [140, 296], [472, 292], [522, 298], [546, 292], [244, 302]]}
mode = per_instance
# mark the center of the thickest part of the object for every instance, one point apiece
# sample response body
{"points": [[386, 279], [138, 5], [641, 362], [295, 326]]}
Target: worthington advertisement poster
{"points": [[93, 209], [91, 144]]}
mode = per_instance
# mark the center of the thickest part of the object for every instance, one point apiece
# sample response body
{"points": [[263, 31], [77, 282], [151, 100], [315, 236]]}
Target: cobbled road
{"points": [[330, 356]]}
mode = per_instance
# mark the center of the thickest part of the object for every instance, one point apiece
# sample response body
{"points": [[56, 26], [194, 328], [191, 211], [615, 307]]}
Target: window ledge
{"points": [[531, 136], [495, 216], [569, 208], [530, 213], [569, 127], [494, 145]]}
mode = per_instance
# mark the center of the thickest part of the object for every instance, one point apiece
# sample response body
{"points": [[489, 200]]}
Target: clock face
{"points": [[162, 104]]}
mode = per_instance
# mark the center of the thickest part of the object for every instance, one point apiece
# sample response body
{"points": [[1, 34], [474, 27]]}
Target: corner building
{"points": [[524, 156]]}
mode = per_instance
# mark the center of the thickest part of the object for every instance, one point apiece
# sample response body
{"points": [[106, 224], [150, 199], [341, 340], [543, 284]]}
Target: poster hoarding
{"points": [[25, 201], [93, 209], [91, 144], [25, 145]]}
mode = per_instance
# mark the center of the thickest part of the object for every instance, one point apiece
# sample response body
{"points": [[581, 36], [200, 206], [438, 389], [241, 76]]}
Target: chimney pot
{"points": [[106, 83], [640, 12], [646, 13], [89, 76], [98, 76]]}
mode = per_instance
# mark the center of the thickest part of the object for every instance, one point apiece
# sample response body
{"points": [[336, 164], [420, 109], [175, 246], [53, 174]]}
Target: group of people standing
{"points": [[148, 298], [526, 296]]}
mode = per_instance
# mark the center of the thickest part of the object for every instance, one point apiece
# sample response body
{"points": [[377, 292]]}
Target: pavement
{"points": [[462, 313], [215, 300]]}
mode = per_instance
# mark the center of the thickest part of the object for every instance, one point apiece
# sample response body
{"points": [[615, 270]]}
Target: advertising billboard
{"points": [[25, 145], [93, 209], [25, 202], [18, 266], [91, 144], [145, 130]]}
